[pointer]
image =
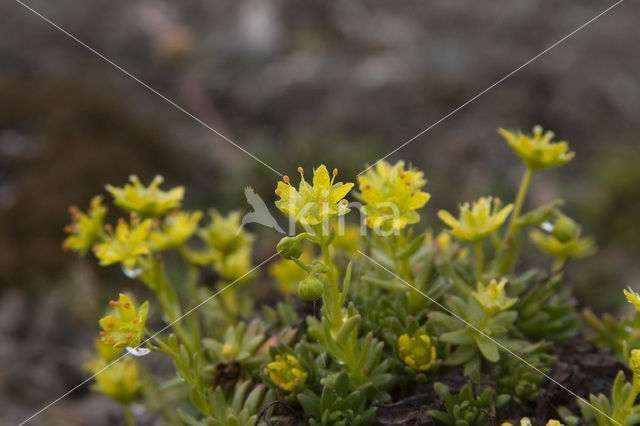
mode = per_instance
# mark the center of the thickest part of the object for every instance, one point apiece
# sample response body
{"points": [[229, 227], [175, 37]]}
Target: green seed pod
{"points": [[289, 247], [310, 288], [565, 228]]}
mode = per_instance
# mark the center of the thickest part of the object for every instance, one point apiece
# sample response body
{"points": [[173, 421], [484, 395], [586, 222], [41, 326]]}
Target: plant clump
{"points": [[370, 318]]}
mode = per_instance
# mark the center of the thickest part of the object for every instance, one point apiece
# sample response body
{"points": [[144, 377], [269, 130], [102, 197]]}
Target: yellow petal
{"points": [[339, 193], [447, 218], [321, 179], [418, 200]]}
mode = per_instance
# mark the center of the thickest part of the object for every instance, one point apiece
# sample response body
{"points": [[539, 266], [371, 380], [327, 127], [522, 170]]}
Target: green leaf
{"points": [[347, 328], [458, 337], [310, 403], [488, 348], [446, 321], [412, 247], [461, 355]]}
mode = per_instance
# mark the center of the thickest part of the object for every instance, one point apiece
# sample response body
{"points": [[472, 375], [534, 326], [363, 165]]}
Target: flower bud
{"points": [[289, 247], [310, 288], [417, 351], [286, 372], [564, 228]]}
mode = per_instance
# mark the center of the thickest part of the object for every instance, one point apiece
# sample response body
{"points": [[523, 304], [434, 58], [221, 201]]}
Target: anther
{"points": [[113, 303], [127, 305], [278, 192], [300, 170], [335, 172], [285, 178]]}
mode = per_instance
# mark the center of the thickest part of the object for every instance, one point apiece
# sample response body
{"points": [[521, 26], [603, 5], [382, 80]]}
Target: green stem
{"points": [[128, 416], [333, 305], [621, 416], [156, 279], [479, 261], [522, 193]]}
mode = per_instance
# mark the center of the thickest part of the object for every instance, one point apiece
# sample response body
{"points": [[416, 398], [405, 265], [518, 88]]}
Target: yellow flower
{"points": [[85, 229], [538, 150], [491, 298], [575, 247], [392, 195], [126, 244], [228, 247], [286, 372], [119, 381], [310, 205], [288, 274], [553, 422], [632, 297], [125, 326], [146, 201], [634, 361], [418, 352], [178, 227], [477, 221]]}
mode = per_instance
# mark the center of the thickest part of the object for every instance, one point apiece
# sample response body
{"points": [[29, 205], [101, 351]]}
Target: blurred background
{"points": [[295, 83]]}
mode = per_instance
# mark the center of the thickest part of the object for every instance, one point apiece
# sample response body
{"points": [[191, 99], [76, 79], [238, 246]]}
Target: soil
{"points": [[581, 368]]}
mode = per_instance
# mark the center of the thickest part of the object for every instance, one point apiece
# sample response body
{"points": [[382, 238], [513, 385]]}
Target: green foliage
{"points": [[337, 405], [515, 378], [362, 320], [238, 407], [545, 313], [467, 408]]}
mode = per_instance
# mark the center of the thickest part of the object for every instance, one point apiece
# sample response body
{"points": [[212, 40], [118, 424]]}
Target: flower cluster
{"points": [[492, 298], [86, 229], [374, 318], [227, 245], [312, 204], [417, 351], [476, 221], [538, 149], [125, 325], [176, 229], [392, 195], [286, 373], [564, 239], [126, 244], [148, 201]]}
